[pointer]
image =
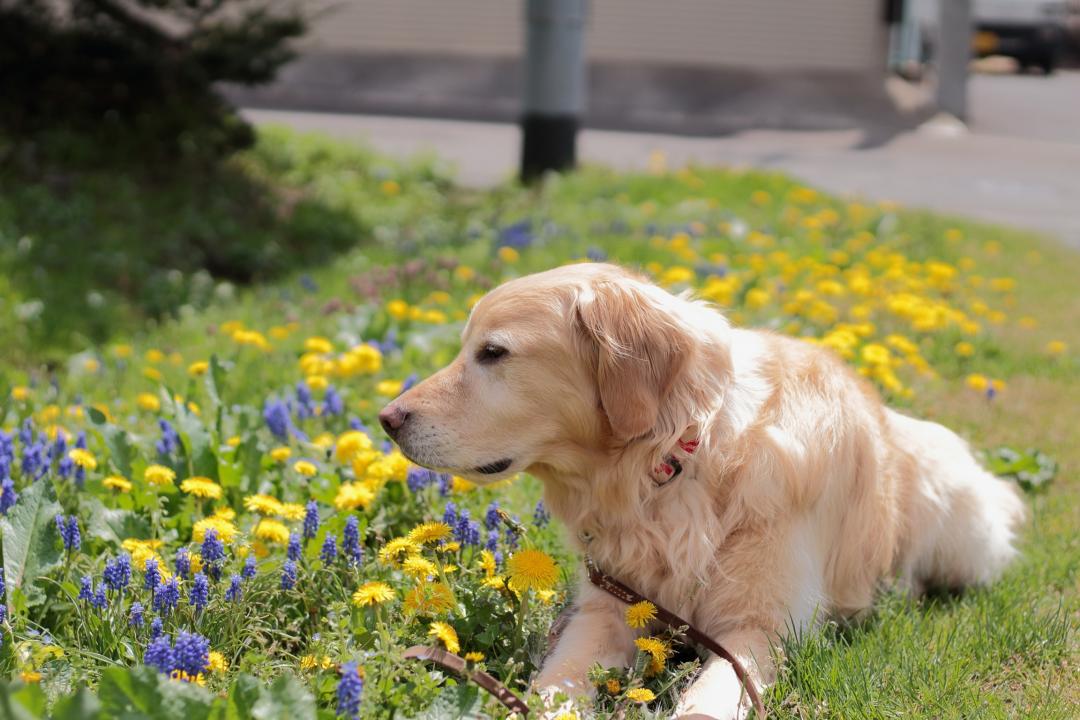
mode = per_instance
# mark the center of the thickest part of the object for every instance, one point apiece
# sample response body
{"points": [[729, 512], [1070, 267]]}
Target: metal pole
{"points": [[554, 97], [953, 53]]}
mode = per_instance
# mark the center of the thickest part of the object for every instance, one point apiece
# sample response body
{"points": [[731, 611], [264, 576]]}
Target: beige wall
{"points": [[765, 34]]}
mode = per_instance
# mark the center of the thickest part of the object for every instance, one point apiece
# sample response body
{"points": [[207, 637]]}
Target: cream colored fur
{"points": [[804, 496]]}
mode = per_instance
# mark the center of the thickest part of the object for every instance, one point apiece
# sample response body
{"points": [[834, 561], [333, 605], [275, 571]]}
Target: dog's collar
{"points": [[671, 466]]}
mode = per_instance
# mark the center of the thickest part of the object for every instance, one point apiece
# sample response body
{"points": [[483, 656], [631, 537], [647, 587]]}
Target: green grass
{"points": [[1008, 651]]}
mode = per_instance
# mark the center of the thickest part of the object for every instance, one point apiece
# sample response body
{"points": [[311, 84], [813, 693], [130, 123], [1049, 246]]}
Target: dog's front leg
{"points": [[597, 633], [717, 692]]}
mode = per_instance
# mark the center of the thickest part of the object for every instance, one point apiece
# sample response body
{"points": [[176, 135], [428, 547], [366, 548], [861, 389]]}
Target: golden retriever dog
{"points": [[748, 482]]}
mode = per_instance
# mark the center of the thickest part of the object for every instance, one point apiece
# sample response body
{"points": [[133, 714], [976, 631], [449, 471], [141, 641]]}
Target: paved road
{"points": [[1018, 164]]}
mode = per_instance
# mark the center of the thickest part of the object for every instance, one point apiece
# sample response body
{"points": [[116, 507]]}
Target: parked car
{"points": [[1031, 31]]}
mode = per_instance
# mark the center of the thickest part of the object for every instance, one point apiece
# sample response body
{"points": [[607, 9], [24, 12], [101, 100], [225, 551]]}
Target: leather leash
{"points": [[616, 589], [457, 664]]}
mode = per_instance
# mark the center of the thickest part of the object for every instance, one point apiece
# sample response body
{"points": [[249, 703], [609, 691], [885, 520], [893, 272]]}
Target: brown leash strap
{"points": [[616, 589], [458, 665]]}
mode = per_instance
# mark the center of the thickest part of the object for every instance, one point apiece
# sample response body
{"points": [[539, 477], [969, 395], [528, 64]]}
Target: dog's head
{"points": [[553, 367]]}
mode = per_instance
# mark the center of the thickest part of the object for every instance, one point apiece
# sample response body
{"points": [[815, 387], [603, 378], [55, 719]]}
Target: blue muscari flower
{"points": [[156, 627], [388, 344], [491, 517], [250, 567], [159, 654], [518, 235], [409, 381], [293, 550], [541, 516], [351, 544], [349, 690], [167, 596], [153, 576], [329, 548], [135, 616], [304, 408], [417, 478], [333, 403], [99, 600], [235, 589], [33, 460], [200, 592], [183, 562], [80, 473], [498, 557], [308, 283], [492, 543], [446, 482], [69, 532], [86, 589], [65, 468], [192, 652], [288, 575], [355, 424], [59, 447], [80, 440], [118, 572], [8, 496], [450, 514], [311, 519], [213, 550], [596, 254], [169, 441], [386, 447], [461, 528], [472, 534], [26, 432], [276, 415]]}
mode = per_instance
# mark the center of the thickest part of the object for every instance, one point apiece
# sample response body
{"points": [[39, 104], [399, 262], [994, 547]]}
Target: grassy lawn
{"points": [[952, 320]]}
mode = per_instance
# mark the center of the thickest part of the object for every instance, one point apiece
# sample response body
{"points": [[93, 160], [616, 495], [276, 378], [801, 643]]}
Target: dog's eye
{"points": [[490, 353]]}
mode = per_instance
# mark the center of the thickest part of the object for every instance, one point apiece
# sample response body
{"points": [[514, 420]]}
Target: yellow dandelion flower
{"points": [[509, 255], [292, 511], [226, 531], [640, 695], [977, 382], [159, 475], [83, 458], [532, 569], [388, 388], [308, 662], [216, 662], [354, 495], [30, 676], [487, 563], [430, 598], [495, 582], [429, 533], [318, 344], [280, 454], [419, 567], [263, 504], [305, 468], [474, 656], [446, 634], [1056, 348], [351, 443], [20, 393], [964, 349], [640, 614], [115, 482], [148, 401], [272, 531], [196, 563], [658, 650], [225, 513], [395, 551], [201, 487], [233, 441], [372, 593], [198, 368], [613, 686]]}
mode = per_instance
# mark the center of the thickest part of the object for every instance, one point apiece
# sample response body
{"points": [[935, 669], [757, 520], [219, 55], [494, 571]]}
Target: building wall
{"points": [[761, 34]]}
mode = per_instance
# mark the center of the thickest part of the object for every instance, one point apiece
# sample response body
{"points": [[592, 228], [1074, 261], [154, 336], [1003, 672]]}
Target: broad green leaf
{"points": [[142, 692], [243, 694], [197, 444], [83, 705], [20, 701], [285, 698], [120, 451], [454, 702], [30, 540], [110, 524], [96, 416]]}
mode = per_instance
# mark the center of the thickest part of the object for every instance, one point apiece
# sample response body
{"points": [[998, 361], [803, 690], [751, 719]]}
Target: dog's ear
{"points": [[639, 349]]}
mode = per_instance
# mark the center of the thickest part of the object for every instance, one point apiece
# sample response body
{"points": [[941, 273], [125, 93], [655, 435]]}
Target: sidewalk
{"points": [[1019, 181]]}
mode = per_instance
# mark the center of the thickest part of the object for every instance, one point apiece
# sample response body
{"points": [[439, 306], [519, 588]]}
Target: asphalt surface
{"points": [[1017, 162]]}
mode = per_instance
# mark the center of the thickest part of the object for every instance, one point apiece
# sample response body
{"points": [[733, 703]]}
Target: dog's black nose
{"points": [[392, 418]]}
